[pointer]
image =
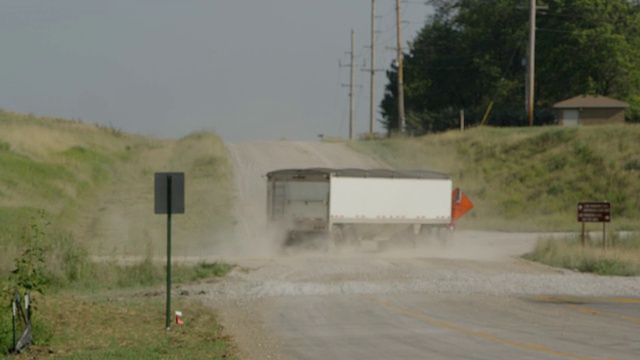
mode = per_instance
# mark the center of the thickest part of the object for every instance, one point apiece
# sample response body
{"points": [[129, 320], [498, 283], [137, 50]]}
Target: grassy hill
{"points": [[94, 184], [530, 178], [76, 209]]}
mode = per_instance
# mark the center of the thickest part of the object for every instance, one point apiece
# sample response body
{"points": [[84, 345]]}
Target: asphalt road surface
{"points": [[473, 298]]}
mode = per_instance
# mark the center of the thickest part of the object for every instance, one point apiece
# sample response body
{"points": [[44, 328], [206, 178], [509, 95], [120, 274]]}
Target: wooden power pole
{"points": [[531, 63], [399, 60], [532, 56], [351, 85], [373, 65]]}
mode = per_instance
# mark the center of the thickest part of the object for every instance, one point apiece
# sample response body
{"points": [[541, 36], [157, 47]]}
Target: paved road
{"points": [[421, 326], [472, 299]]}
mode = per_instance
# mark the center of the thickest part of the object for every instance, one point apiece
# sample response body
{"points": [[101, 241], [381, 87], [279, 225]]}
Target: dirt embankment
{"points": [[120, 223]]}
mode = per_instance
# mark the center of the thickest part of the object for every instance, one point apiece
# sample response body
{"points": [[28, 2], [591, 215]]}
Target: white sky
{"points": [[248, 70]]}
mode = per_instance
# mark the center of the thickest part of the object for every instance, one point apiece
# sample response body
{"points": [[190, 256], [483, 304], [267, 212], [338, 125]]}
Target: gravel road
{"points": [[471, 299]]}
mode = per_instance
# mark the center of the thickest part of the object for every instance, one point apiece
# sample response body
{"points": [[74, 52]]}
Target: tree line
{"points": [[473, 52]]}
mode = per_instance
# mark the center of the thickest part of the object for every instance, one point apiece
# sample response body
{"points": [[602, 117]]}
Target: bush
{"points": [[30, 273], [30, 276], [202, 270]]}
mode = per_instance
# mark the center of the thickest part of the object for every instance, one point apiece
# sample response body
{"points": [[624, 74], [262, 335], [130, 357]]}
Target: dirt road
{"points": [[473, 299]]}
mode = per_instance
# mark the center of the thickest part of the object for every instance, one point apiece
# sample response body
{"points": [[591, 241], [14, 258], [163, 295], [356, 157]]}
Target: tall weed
{"points": [[620, 258]]}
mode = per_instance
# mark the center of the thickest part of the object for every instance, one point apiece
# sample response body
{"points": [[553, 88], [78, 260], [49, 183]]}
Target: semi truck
{"points": [[332, 208]]}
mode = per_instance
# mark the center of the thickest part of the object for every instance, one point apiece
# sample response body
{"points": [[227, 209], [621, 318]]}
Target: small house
{"points": [[590, 110]]}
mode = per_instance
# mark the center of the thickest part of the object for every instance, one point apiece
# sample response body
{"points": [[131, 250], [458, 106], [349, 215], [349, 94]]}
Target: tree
{"points": [[469, 53], [589, 47]]}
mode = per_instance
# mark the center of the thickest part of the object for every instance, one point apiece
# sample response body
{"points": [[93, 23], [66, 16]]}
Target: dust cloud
{"points": [[252, 239]]}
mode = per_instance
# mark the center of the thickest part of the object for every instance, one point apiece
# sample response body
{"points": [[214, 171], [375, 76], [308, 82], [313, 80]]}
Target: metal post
{"points": [[13, 309], [604, 234], [27, 304], [583, 242], [168, 318]]}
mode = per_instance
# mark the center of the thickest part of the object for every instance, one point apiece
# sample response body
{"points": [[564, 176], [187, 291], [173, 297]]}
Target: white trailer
{"points": [[336, 207]]}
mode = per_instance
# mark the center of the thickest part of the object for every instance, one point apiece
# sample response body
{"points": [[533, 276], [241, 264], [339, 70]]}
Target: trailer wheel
{"points": [[351, 237], [336, 239], [445, 235], [424, 236], [404, 239]]}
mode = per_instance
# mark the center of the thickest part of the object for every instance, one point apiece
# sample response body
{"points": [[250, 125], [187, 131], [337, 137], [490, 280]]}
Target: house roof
{"points": [[372, 173], [590, 101]]}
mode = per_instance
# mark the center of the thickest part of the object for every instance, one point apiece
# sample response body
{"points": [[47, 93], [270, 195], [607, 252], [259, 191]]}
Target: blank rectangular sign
{"points": [[162, 191]]}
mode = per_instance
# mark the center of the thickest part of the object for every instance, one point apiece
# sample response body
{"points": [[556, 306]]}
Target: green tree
{"points": [[588, 47], [471, 52]]}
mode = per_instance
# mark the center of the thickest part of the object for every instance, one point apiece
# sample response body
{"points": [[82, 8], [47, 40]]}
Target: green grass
{"points": [[71, 275], [96, 162], [54, 175], [147, 273], [36, 180], [620, 258], [529, 178], [126, 326]]}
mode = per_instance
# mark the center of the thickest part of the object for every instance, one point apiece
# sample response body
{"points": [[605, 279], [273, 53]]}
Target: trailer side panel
{"points": [[390, 200]]}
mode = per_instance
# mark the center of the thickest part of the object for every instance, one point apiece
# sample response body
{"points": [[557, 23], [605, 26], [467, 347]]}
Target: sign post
{"points": [[595, 212], [169, 199]]}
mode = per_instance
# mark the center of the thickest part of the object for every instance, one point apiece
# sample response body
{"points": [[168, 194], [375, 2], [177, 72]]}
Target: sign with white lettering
{"points": [[594, 212]]}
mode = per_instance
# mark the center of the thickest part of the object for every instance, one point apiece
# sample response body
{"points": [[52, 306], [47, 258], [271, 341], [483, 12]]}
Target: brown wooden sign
{"points": [[594, 212]]}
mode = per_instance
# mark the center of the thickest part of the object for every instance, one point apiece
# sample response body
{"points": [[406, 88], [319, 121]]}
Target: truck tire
{"points": [[290, 239], [405, 239], [336, 239], [425, 235], [445, 236], [351, 236]]}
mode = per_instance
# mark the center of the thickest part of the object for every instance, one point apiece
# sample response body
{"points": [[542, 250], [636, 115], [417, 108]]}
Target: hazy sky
{"points": [[247, 70]]}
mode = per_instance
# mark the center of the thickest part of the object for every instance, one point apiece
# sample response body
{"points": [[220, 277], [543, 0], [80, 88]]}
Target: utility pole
{"points": [[373, 65], [532, 57], [372, 69], [351, 83], [531, 63], [399, 60], [353, 39]]}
